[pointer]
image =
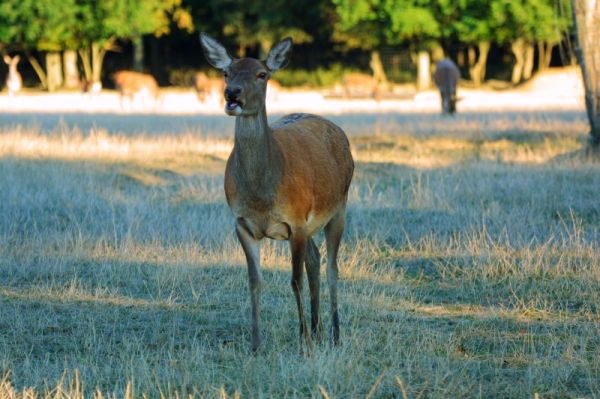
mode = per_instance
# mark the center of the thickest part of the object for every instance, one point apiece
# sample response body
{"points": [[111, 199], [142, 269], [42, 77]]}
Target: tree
{"points": [[46, 26], [475, 28], [586, 19], [371, 24], [524, 23], [101, 23]]}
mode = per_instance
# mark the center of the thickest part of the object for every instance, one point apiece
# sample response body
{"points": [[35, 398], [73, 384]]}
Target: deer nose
{"points": [[232, 93]]}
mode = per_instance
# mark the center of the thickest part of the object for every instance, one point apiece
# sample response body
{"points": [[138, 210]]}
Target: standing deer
{"points": [[446, 78], [130, 83], [13, 80], [285, 182]]}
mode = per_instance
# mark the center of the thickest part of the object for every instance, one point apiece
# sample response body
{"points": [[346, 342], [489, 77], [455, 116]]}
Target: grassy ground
{"points": [[470, 267]]}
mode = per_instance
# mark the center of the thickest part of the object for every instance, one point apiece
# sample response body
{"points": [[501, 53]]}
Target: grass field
{"points": [[470, 265]]}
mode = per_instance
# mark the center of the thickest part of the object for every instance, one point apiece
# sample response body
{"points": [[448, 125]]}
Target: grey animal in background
{"points": [[13, 80], [446, 79]]}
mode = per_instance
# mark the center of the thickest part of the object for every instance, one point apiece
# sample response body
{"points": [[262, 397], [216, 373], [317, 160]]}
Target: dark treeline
{"points": [[69, 41]]}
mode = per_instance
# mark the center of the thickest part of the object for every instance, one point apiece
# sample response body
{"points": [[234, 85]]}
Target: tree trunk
{"points": [[478, 69], [548, 56], [471, 55], [437, 53], [528, 64], [54, 70], [38, 70], [518, 49], [84, 54], [98, 53], [377, 68], [423, 71], [586, 21], [70, 69], [460, 58], [138, 53]]}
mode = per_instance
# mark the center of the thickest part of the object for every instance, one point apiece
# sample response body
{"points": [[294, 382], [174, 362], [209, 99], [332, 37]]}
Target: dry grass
{"points": [[470, 267]]}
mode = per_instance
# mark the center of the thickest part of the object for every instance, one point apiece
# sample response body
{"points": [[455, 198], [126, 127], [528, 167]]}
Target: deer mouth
{"points": [[234, 107]]}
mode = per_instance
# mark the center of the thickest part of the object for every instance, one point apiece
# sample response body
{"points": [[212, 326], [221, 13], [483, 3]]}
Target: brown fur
{"points": [[205, 86], [284, 181], [129, 83]]}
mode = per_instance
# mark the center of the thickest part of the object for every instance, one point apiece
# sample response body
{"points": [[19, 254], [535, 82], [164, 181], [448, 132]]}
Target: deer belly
{"points": [[267, 228]]}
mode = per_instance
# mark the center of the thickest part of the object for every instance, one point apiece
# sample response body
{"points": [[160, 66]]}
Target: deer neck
{"points": [[257, 167]]}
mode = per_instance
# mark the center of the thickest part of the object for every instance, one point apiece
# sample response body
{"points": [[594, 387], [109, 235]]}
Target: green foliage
{"points": [[318, 78], [370, 24], [532, 20], [56, 25], [41, 25]]}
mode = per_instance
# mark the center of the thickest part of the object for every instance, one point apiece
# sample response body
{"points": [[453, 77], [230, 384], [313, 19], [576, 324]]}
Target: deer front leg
{"points": [[298, 242], [251, 248]]}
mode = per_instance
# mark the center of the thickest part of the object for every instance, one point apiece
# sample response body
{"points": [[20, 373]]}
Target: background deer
{"points": [[446, 77], [207, 87], [14, 83], [132, 84], [285, 181]]}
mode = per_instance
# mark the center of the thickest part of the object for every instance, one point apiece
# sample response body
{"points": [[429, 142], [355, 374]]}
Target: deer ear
{"points": [[279, 56], [6, 59], [215, 53]]}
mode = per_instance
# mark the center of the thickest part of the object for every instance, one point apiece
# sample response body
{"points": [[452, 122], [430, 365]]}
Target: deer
{"points": [[360, 84], [206, 87], [446, 77], [283, 181], [131, 83], [13, 80]]}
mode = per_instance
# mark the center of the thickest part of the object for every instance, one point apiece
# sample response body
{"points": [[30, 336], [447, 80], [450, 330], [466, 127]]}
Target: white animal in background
{"points": [[14, 83]]}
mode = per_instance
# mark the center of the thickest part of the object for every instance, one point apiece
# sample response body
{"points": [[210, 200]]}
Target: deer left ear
{"points": [[279, 56]]}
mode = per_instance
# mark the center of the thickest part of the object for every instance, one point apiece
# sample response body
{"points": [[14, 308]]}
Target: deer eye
{"points": [[225, 74], [261, 75]]}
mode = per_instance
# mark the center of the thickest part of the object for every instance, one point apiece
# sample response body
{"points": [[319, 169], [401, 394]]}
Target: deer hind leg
{"points": [[313, 269], [333, 235], [298, 243], [251, 248]]}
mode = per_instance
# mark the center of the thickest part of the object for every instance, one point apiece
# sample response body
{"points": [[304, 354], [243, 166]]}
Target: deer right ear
{"points": [[215, 53], [6, 59]]}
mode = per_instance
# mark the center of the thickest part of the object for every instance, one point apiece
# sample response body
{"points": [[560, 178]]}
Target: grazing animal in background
{"points": [[14, 83], [360, 84], [208, 87], [446, 77], [130, 84], [285, 181]]}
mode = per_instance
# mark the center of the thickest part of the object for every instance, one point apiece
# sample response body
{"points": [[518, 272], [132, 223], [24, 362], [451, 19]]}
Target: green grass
{"points": [[470, 268]]}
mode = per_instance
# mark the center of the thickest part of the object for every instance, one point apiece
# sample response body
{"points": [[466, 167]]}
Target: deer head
{"points": [[11, 62], [245, 78]]}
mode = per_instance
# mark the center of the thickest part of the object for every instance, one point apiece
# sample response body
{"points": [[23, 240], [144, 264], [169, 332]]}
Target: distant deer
{"points": [[207, 87], [360, 84], [131, 84], [285, 181], [13, 80], [446, 77]]}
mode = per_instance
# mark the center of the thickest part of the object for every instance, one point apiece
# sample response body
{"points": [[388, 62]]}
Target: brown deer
{"points": [[13, 80], [358, 84], [207, 87], [446, 77], [285, 182], [131, 83]]}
